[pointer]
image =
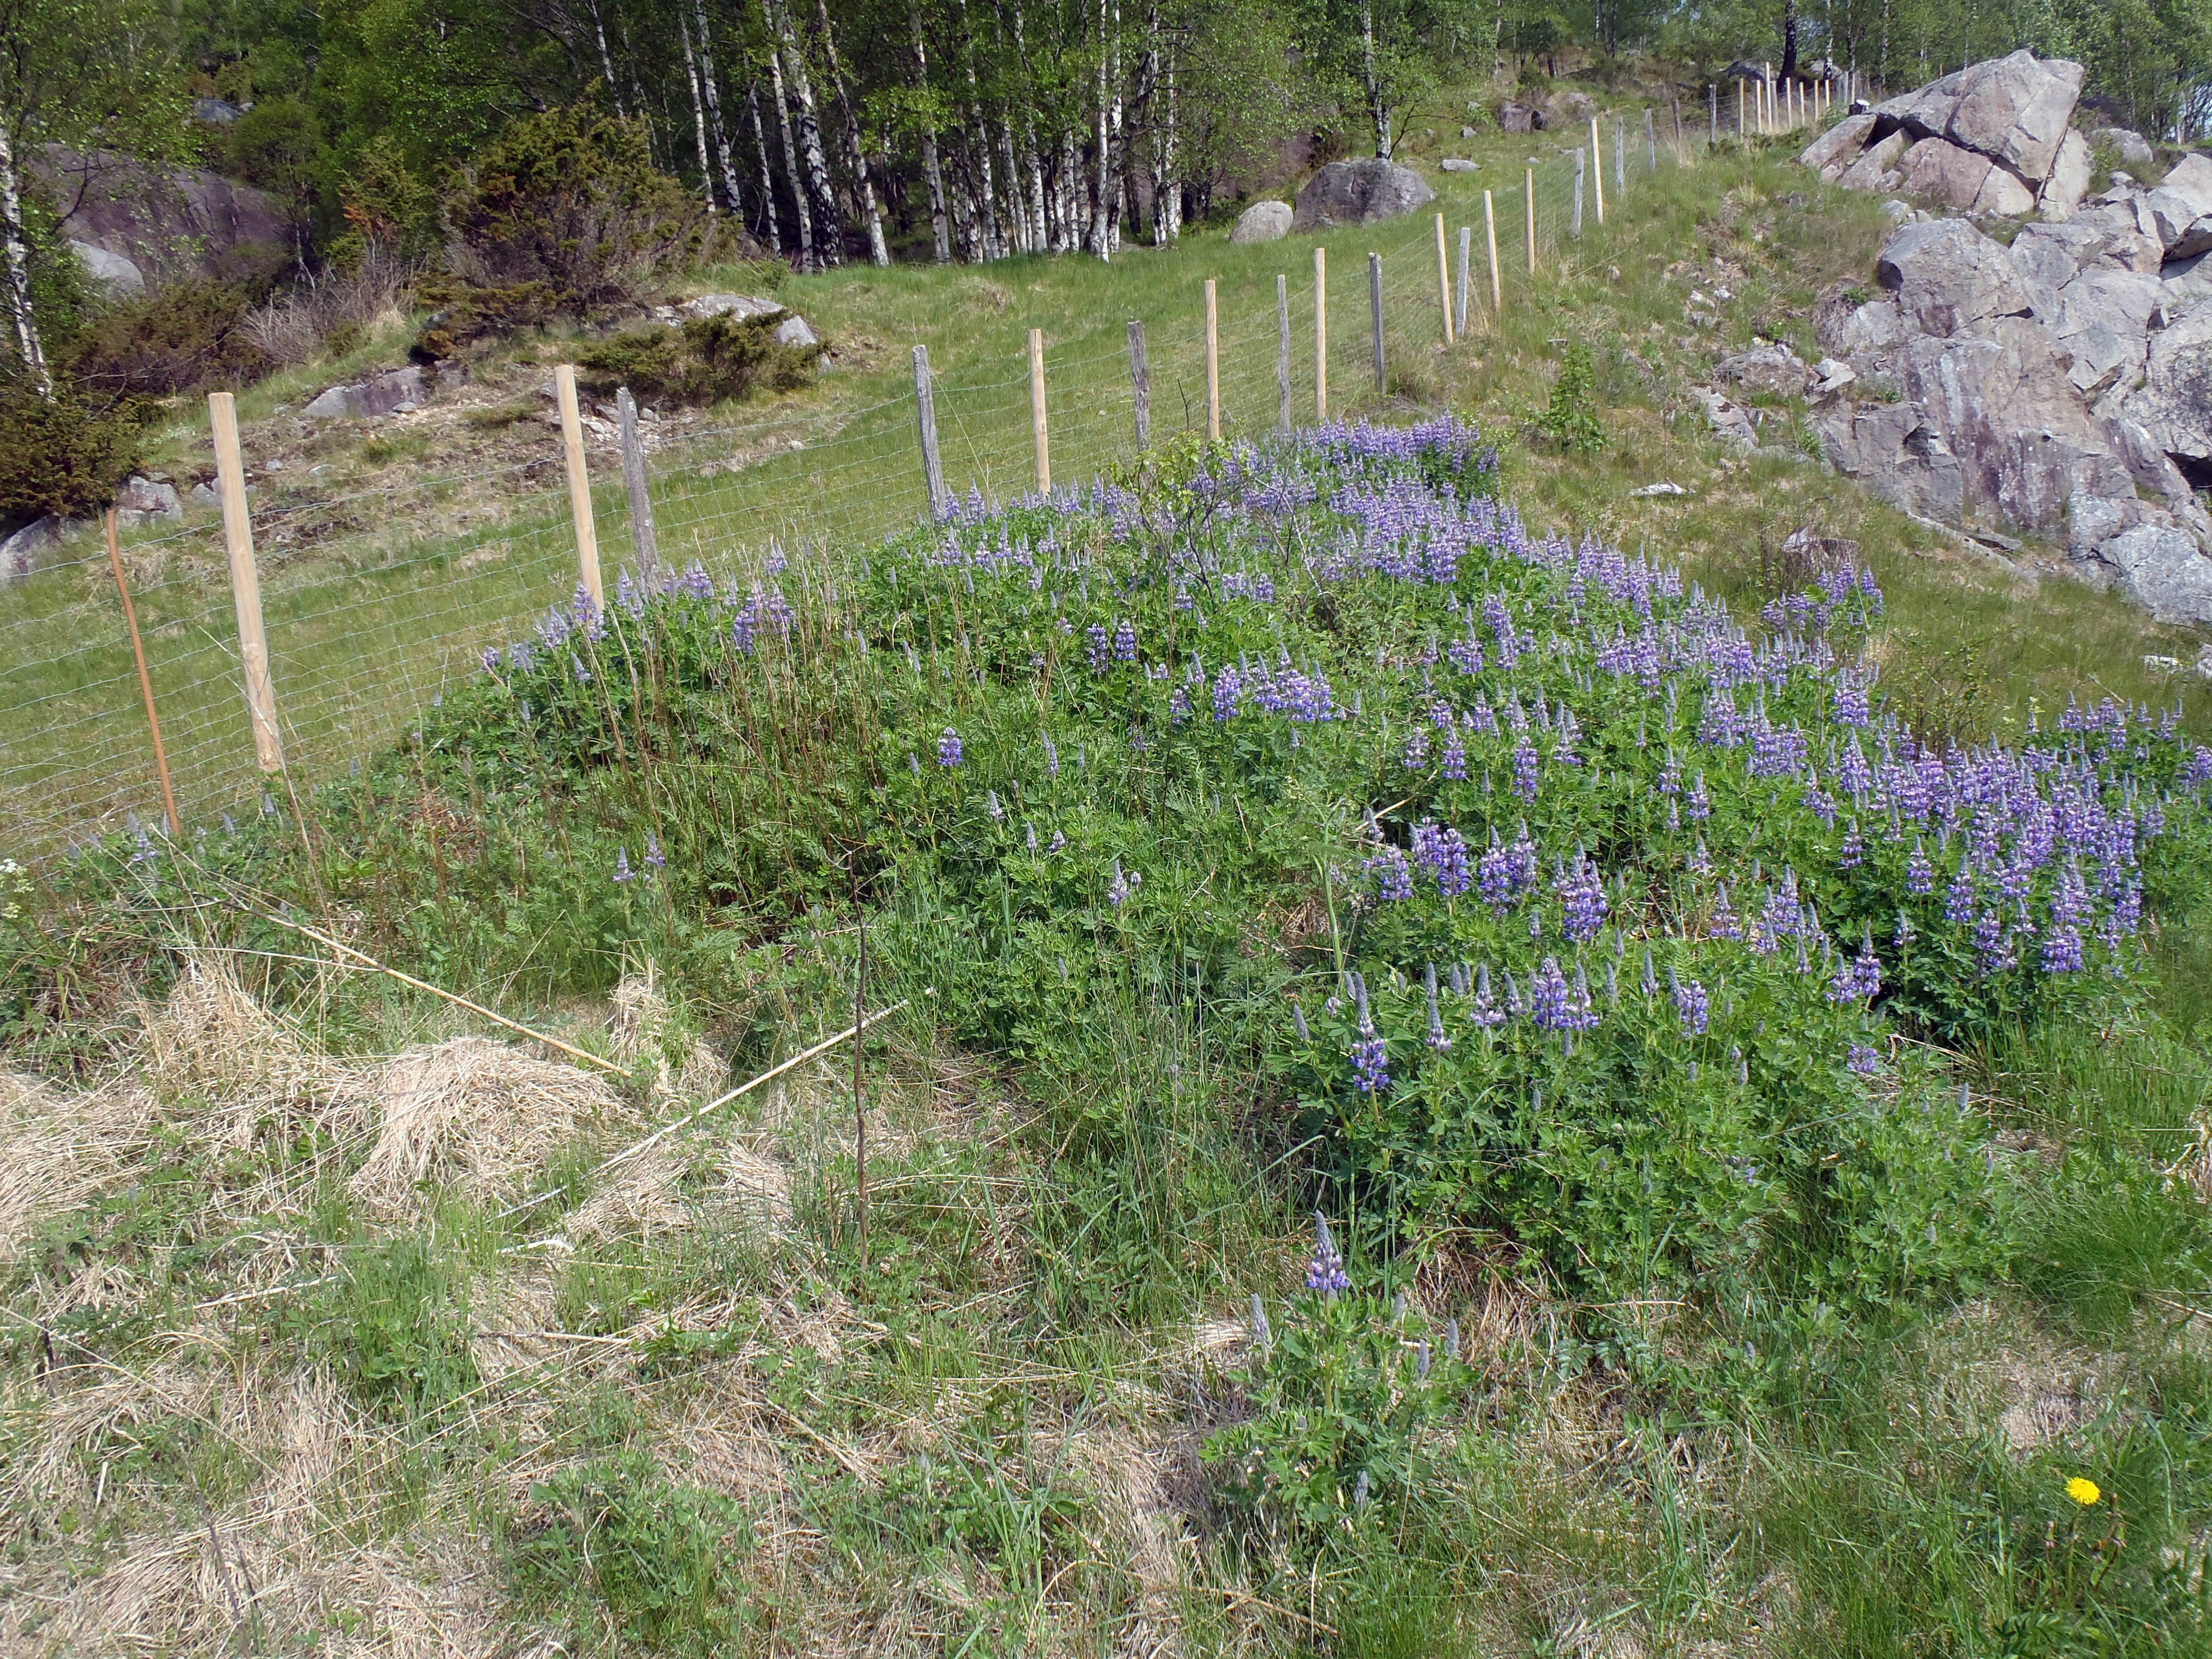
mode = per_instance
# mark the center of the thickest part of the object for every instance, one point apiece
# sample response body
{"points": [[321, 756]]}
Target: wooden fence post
{"points": [[580, 483], [1712, 116], [1213, 365], [245, 581], [1739, 87], [145, 682], [1036, 412], [1374, 307], [1581, 159], [925, 407], [1651, 144], [1140, 380], [1283, 351], [1465, 258], [1444, 282], [1320, 335], [1531, 219], [643, 542], [1597, 167], [1619, 157], [1497, 283]]}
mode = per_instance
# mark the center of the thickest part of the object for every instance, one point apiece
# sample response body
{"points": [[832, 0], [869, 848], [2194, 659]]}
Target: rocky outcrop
{"points": [[1263, 222], [30, 549], [1993, 138], [2055, 388], [793, 330], [134, 226], [145, 501], [1358, 193], [392, 392]]}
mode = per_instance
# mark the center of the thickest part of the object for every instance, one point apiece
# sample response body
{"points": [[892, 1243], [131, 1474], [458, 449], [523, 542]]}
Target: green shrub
{"points": [[701, 362], [1571, 421], [64, 454], [659, 1559], [569, 199], [179, 337]]}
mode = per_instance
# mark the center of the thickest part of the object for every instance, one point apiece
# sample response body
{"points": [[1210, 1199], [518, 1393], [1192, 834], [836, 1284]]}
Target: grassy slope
{"points": [[972, 1448], [379, 592]]}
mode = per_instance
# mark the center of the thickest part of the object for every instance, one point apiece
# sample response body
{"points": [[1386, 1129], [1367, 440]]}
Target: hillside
{"points": [[1459, 1057]]}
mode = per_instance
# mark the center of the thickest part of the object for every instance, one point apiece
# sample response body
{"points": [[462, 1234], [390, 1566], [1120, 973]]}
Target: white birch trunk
{"points": [[714, 113], [698, 111], [790, 146], [931, 169], [1033, 160], [607, 63], [1120, 145], [810, 150], [1103, 179], [855, 153], [987, 208], [1377, 108], [16, 248], [768, 178]]}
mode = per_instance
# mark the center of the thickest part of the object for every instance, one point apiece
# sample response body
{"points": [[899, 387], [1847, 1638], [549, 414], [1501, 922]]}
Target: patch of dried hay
{"points": [[473, 1112], [61, 1439], [56, 1151], [642, 1199], [641, 1023], [214, 1040]]}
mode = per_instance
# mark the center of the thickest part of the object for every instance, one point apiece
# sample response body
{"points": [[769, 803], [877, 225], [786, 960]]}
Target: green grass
{"points": [[673, 1407]]}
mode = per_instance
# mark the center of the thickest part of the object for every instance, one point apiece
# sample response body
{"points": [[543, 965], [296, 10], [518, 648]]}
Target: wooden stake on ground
{"points": [[643, 542], [860, 1110], [1530, 181], [1597, 166], [1467, 258], [145, 681], [1374, 307], [1140, 381], [580, 483], [1036, 412], [1496, 284], [1320, 335], [245, 581], [1444, 282], [925, 409], [1213, 365], [1283, 350]]}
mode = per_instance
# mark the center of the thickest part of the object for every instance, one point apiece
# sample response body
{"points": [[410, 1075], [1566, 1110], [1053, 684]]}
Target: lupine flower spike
{"points": [[1325, 1273]]}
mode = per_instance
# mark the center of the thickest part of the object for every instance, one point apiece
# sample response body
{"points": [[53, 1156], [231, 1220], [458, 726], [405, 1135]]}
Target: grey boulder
{"points": [[1459, 164], [1358, 193], [1768, 366], [1835, 148], [793, 330], [1263, 222], [31, 547], [2173, 404], [363, 400], [1519, 117], [2015, 109], [2161, 568], [2133, 146], [1948, 276], [143, 500]]}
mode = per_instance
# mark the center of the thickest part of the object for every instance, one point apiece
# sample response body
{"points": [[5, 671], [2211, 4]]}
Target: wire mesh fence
{"points": [[375, 603]]}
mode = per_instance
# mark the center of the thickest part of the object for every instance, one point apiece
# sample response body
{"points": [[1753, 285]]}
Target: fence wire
{"points": [[377, 602]]}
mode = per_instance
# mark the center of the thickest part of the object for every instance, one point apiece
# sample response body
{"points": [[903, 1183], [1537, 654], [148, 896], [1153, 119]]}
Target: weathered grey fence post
{"points": [[642, 540], [925, 403], [1466, 251], [1375, 305], [1283, 350], [1141, 378], [1651, 144], [1581, 160], [245, 581]]}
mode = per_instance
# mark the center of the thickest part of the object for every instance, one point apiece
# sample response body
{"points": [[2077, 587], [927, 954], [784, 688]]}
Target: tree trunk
{"points": [[1377, 106], [1103, 179], [987, 215], [768, 178], [810, 150], [715, 112], [790, 145], [698, 110], [855, 153], [1788, 39], [607, 63], [16, 249], [932, 169], [1120, 144], [1167, 184], [1032, 158]]}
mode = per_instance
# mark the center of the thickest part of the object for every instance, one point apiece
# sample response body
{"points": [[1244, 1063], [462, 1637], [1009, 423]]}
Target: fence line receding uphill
{"points": [[371, 606]]}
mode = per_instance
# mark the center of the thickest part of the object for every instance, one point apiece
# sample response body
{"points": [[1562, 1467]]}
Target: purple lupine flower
{"points": [[993, 805], [1325, 1273], [1416, 751], [623, 872], [1919, 873], [1179, 705], [1124, 883], [1486, 1012], [1029, 832], [1581, 896], [1557, 1007], [1368, 1054], [1852, 853], [1438, 1039], [1051, 758], [1863, 1061], [1692, 1005], [492, 659], [1700, 804], [1058, 844], [1443, 854], [1525, 769], [948, 748], [1095, 647], [1228, 687], [1725, 925], [1125, 641], [2062, 950], [1393, 878], [1456, 757], [654, 858]]}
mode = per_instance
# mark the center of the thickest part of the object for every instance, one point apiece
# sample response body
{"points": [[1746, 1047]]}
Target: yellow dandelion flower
{"points": [[2083, 1491]]}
